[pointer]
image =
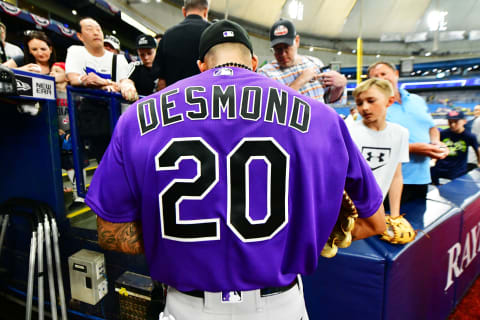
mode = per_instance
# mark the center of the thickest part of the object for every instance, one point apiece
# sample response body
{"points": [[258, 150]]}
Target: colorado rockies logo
{"points": [[376, 157]]}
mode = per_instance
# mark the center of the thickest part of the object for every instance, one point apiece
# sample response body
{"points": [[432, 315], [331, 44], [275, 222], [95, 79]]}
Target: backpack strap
{"points": [[114, 68]]}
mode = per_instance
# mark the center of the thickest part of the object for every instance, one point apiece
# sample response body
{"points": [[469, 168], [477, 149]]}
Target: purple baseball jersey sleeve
{"points": [[236, 179]]}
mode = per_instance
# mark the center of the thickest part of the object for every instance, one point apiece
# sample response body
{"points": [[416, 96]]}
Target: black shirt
{"points": [[177, 53], [145, 79]]}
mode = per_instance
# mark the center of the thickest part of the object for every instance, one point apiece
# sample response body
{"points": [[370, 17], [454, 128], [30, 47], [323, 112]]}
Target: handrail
{"points": [[114, 102]]}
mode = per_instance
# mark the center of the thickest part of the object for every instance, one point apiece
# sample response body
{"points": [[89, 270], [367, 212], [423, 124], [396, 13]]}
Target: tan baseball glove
{"points": [[341, 236], [399, 230]]}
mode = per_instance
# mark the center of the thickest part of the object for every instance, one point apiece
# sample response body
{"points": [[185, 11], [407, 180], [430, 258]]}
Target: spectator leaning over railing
{"points": [[39, 54], [411, 111], [94, 67]]}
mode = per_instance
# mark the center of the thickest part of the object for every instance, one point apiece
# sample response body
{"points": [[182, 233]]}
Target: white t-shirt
{"points": [[383, 150], [80, 61], [12, 51]]}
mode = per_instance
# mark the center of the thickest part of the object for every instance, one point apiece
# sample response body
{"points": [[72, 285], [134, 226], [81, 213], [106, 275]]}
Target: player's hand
{"points": [[332, 79], [128, 91]]}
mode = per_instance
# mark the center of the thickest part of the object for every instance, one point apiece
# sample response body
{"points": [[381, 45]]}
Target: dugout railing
{"points": [[108, 104]]}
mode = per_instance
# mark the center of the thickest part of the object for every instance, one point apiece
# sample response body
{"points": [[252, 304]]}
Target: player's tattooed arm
{"points": [[123, 237], [367, 227]]}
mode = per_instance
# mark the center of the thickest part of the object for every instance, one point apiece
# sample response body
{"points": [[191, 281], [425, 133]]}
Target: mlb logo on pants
{"points": [[231, 296]]}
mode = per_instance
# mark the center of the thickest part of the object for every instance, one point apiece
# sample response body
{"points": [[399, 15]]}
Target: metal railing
{"points": [[75, 96]]}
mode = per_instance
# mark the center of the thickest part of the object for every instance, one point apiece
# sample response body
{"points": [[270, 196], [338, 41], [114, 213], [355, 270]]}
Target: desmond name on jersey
{"points": [[195, 106]]}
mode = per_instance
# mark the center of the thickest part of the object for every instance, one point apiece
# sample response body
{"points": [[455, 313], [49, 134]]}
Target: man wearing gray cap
{"points": [[143, 73], [302, 73]]}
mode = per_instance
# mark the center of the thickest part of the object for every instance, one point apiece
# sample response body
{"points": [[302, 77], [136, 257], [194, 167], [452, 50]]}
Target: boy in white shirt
{"points": [[384, 146]]}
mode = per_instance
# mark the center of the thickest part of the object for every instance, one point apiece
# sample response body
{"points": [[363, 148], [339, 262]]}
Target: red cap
{"points": [[60, 64]]}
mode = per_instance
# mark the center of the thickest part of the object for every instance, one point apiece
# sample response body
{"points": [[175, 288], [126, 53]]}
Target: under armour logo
{"points": [[380, 156], [376, 157]]}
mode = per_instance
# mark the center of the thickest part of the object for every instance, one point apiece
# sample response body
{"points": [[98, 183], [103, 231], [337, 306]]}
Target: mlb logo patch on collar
{"points": [[228, 34], [223, 72]]}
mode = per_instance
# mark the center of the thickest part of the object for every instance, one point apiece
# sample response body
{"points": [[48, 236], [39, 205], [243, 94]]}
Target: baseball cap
{"points": [[59, 64], [455, 115], [145, 42], [221, 32], [282, 31], [113, 41]]}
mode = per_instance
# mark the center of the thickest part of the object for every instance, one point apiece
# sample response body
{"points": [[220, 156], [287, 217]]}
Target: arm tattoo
{"points": [[123, 237]]}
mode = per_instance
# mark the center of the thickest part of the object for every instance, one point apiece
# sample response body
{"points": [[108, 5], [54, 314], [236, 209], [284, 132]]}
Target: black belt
{"points": [[263, 292]]}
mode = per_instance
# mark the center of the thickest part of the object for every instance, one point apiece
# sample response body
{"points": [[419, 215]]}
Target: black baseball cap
{"points": [[282, 31], [222, 31], [145, 42], [455, 115]]}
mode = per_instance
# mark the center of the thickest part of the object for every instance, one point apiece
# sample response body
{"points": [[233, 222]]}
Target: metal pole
{"points": [[56, 251], [4, 230], [31, 271], [360, 47], [41, 296], [51, 284]]}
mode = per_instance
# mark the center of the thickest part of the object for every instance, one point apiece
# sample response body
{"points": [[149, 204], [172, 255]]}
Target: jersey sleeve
{"points": [[122, 67], [110, 194], [360, 183], [73, 60]]}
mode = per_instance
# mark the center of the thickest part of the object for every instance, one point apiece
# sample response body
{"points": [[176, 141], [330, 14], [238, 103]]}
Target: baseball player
{"points": [[225, 181]]}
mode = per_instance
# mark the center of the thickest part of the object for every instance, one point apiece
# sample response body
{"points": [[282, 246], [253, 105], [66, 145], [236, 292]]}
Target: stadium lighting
{"points": [[437, 20], [295, 9]]}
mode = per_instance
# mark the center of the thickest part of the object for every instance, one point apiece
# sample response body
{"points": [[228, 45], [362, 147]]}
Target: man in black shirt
{"points": [[177, 53], [143, 73]]}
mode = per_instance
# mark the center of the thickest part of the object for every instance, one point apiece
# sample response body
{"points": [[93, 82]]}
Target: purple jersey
{"points": [[237, 180]]}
